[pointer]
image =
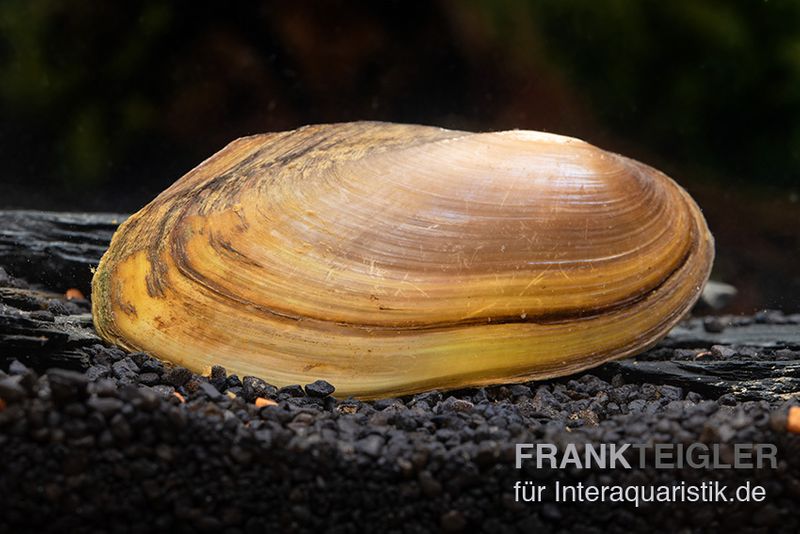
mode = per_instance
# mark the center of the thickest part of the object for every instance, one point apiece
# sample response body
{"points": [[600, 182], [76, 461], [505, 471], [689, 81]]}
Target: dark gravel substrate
{"points": [[121, 442]]}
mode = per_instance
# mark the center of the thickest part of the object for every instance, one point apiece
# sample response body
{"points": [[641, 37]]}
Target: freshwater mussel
{"points": [[389, 259]]}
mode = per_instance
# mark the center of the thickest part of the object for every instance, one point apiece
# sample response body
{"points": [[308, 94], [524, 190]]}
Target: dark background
{"points": [[104, 104]]}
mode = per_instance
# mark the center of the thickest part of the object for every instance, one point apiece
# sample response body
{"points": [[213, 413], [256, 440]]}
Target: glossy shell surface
{"points": [[390, 259]]}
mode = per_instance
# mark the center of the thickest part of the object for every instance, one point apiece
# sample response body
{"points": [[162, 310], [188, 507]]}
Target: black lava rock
{"points": [[319, 388], [295, 390], [177, 376], [209, 390], [219, 377], [67, 385], [125, 369], [253, 387]]}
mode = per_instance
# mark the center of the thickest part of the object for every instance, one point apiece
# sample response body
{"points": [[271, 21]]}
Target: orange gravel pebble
{"points": [[179, 396], [261, 402], [793, 422], [73, 294]]}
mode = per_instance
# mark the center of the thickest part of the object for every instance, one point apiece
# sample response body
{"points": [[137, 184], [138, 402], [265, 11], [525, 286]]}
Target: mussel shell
{"points": [[389, 259]]}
